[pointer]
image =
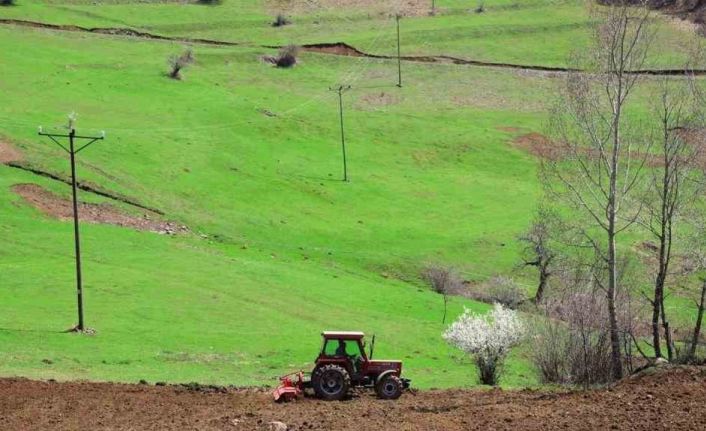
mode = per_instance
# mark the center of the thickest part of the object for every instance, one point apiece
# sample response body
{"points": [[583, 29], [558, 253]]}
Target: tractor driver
{"points": [[342, 352], [341, 349]]}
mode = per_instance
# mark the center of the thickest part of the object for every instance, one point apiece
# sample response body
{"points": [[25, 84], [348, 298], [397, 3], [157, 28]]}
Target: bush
{"points": [[444, 281], [7, 2], [499, 289], [287, 57], [280, 21], [506, 291], [180, 62], [487, 338], [573, 346]]}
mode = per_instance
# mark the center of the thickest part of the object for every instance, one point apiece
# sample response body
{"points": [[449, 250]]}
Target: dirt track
{"points": [[666, 400]]}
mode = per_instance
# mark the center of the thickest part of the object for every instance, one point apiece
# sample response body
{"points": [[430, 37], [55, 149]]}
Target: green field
{"points": [[247, 156]]}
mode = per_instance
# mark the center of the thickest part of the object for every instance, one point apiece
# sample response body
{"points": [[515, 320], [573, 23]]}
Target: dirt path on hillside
{"points": [[62, 209], [8, 153], [666, 400], [335, 48]]}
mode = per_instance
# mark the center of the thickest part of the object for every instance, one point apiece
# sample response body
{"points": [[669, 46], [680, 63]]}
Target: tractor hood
{"points": [[381, 365]]}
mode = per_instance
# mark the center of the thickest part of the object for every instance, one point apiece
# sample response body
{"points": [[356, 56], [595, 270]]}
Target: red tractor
{"points": [[341, 365]]}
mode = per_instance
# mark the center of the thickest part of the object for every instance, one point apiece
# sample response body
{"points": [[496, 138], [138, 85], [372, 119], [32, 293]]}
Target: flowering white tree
{"points": [[487, 338]]}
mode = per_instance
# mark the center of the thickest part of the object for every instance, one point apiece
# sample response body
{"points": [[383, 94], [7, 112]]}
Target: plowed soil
{"points": [[671, 399], [61, 208]]}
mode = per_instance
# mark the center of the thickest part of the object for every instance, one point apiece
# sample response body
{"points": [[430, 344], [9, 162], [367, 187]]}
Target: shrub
{"points": [[287, 57], [573, 346], [180, 62], [280, 21], [444, 281], [499, 289], [506, 291], [7, 2], [487, 338]]}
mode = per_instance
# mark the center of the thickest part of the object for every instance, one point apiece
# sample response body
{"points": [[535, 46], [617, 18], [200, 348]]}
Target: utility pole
{"points": [[399, 58], [72, 137], [340, 90]]}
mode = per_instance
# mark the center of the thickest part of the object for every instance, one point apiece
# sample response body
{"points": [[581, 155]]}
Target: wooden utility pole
{"points": [[340, 90], [72, 136], [399, 57]]}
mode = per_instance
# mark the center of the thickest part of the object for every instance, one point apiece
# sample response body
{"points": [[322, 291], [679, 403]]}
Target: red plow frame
{"points": [[291, 386]]}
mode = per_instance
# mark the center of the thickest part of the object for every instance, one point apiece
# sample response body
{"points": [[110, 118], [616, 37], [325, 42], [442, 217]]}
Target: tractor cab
{"points": [[344, 348]]}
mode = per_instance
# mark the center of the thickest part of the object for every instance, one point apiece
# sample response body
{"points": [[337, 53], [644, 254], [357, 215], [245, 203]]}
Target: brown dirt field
{"points": [[8, 153], [671, 399], [61, 208]]}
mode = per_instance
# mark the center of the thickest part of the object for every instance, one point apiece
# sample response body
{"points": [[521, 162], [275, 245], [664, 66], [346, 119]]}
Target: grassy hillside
{"points": [[538, 32], [290, 248], [247, 156]]}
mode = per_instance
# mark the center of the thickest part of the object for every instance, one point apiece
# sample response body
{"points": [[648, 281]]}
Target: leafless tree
{"points": [[696, 335], [672, 188], [603, 164], [696, 258], [538, 251], [445, 281], [179, 62]]}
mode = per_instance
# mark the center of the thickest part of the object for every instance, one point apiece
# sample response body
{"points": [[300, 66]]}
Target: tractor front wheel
{"points": [[389, 387], [331, 382]]}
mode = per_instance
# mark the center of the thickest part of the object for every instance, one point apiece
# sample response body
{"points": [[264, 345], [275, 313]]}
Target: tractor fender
{"points": [[384, 374]]}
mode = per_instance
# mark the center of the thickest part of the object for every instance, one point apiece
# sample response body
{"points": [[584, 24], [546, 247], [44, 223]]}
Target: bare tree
{"points": [[699, 321], [179, 62], [602, 164], [538, 251], [444, 281], [696, 258], [671, 189]]}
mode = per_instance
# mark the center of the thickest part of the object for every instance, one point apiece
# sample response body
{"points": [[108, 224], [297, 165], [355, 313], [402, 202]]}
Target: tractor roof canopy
{"points": [[342, 335]]}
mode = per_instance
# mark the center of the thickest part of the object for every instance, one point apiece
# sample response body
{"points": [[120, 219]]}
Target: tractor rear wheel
{"points": [[389, 387], [331, 382]]}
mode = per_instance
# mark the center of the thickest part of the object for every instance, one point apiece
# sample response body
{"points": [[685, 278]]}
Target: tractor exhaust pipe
{"points": [[372, 347]]}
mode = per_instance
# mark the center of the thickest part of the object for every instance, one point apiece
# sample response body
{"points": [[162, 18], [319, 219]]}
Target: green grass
{"points": [[289, 249], [536, 32], [280, 247]]}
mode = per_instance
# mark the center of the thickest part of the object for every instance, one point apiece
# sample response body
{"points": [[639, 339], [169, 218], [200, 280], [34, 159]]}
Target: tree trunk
{"points": [[699, 320], [446, 306], [667, 333], [656, 307], [616, 356], [655, 325], [543, 277]]}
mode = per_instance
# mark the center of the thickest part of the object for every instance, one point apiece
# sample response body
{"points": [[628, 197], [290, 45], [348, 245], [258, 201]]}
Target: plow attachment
{"points": [[291, 386]]}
